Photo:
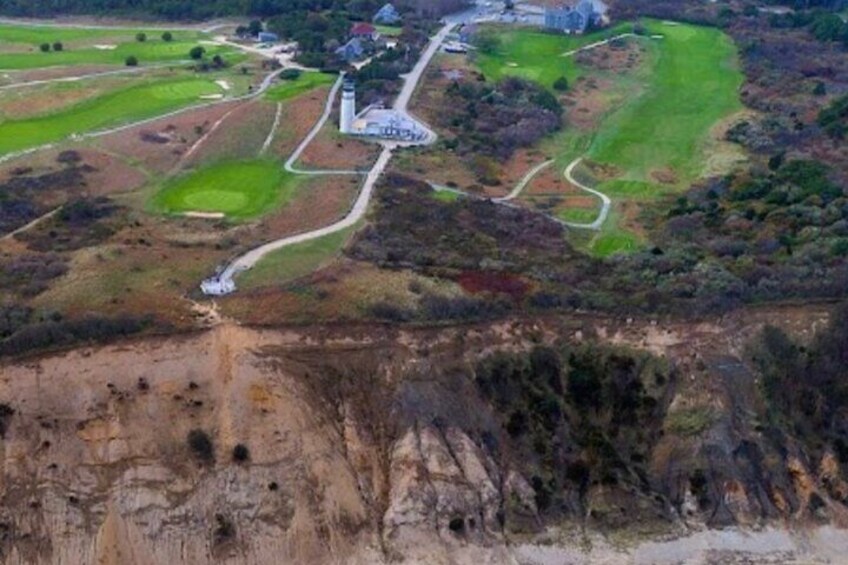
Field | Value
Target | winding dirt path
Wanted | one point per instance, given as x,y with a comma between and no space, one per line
224,283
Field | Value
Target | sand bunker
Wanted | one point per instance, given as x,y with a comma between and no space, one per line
105,47
211,96
205,215
223,84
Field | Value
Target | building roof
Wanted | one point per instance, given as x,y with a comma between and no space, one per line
388,13
362,28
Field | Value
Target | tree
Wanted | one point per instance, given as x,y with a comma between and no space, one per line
218,61
254,27
167,36
561,84
141,37
131,61
57,46
45,47
487,42
819,89
197,53
201,444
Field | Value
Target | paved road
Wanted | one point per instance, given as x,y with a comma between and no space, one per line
605,200
225,281
507,200
524,181
316,129
598,44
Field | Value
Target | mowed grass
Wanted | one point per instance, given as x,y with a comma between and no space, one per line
122,106
19,47
286,89
688,82
537,56
694,84
238,189
295,261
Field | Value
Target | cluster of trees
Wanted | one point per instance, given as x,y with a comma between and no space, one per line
496,119
579,418
56,46
805,387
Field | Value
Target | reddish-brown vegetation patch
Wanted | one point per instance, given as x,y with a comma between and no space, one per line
494,282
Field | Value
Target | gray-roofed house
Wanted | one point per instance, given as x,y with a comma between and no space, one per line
387,15
577,18
353,50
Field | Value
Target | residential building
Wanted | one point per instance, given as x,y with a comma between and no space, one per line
577,18
388,15
353,50
364,31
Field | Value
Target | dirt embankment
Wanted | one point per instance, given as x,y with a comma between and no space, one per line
364,445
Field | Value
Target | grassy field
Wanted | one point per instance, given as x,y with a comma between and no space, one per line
295,261
537,56
122,106
19,47
238,189
286,89
389,31
659,119
694,84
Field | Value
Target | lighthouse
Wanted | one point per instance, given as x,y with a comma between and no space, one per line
348,110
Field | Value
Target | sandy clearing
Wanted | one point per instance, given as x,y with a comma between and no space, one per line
205,215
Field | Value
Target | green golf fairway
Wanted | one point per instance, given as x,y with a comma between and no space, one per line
151,51
238,189
119,107
286,89
535,55
694,84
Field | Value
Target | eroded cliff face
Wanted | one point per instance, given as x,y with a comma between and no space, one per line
375,448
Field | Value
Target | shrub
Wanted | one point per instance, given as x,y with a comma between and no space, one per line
561,84
167,36
201,445
197,53
57,46
45,47
131,61
241,453
141,37
290,74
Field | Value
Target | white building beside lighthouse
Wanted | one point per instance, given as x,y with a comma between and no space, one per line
375,121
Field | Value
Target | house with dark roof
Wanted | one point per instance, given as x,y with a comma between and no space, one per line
364,31
353,50
577,18
387,15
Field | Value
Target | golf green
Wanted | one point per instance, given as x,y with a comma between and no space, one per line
121,106
237,189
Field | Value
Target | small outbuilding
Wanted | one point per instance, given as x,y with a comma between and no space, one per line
267,37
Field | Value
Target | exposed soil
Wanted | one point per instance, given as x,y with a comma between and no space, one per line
180,132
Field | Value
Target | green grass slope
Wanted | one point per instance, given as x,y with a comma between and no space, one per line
307,81
116,108
238,189
694,84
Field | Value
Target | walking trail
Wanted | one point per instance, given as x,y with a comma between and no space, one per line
224,283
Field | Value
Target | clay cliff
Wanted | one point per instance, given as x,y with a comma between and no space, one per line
376,445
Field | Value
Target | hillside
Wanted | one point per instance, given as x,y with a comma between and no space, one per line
365,445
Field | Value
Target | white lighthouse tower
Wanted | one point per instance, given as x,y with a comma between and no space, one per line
348,110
